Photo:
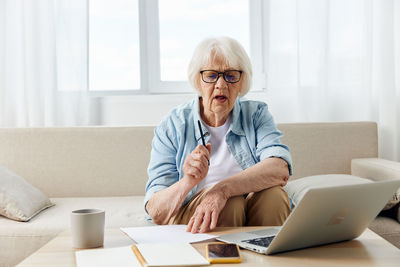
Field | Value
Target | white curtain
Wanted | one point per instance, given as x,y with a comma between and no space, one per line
336,60
325,60
43,63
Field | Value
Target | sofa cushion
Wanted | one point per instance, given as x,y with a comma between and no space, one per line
20,200
120,212
296,189
18,240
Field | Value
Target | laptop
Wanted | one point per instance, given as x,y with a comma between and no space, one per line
324,215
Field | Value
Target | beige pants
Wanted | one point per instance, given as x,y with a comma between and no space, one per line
265,208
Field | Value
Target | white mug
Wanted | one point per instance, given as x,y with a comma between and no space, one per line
87,227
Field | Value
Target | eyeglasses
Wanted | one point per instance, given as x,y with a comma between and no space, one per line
212,76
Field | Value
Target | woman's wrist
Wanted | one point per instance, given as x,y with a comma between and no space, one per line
222,190
188,183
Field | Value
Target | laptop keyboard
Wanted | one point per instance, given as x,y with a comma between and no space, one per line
262,241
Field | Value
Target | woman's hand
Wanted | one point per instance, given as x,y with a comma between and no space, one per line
205,217
195,166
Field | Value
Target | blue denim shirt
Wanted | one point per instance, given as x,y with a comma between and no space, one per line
252,137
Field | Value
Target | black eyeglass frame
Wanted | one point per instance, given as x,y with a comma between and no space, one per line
219,74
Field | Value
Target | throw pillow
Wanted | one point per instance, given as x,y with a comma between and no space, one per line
296,189
19,200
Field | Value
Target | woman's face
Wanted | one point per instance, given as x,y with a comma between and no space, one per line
219,97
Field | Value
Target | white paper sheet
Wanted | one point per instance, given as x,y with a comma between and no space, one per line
164,234
172,254
121,257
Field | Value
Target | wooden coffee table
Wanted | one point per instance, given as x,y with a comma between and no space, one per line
367,250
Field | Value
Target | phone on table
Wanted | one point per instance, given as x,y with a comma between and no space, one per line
218,252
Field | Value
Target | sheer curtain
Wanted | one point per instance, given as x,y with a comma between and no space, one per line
336,60
43,63
325,60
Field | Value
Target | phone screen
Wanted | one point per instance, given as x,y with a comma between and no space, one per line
223,251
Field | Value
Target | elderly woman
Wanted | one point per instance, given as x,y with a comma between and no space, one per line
236,178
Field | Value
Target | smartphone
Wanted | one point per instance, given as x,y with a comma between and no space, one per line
219,252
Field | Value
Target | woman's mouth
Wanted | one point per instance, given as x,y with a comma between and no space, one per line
220,98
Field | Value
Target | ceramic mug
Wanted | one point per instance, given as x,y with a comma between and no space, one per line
87,227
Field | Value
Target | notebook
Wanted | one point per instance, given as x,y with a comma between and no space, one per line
170,254
163,254
121,257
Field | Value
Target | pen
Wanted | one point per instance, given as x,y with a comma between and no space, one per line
139,255
201,134
202,137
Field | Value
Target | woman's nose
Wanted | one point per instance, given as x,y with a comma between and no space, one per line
221,83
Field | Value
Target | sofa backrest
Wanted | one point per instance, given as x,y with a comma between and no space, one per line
112,161
79,161
327,148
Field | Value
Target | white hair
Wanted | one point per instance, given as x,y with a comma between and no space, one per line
227,48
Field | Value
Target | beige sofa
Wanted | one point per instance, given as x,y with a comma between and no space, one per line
106,167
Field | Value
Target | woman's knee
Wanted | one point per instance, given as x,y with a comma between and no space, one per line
273,195
268,207
233,214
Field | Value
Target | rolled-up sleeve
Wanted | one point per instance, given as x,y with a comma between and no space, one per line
269,138
162,170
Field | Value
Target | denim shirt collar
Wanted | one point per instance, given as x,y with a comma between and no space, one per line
236,126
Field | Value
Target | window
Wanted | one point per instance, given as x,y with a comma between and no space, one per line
181,31
114,61
145,46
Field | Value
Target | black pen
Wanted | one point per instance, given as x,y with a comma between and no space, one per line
202,137
201,133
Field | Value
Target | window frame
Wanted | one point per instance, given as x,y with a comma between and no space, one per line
149,50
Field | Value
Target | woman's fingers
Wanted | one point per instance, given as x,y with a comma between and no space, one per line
190,225
206,222
198,170
208,146
201,164
196,163
189,169
214,220
203,222
197,221
205,217
200,149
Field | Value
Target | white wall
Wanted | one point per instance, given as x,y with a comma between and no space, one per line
148,110
138,110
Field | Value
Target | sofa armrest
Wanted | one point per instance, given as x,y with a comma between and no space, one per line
375,169
378,169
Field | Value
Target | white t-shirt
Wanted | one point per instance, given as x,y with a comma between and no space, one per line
222,162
